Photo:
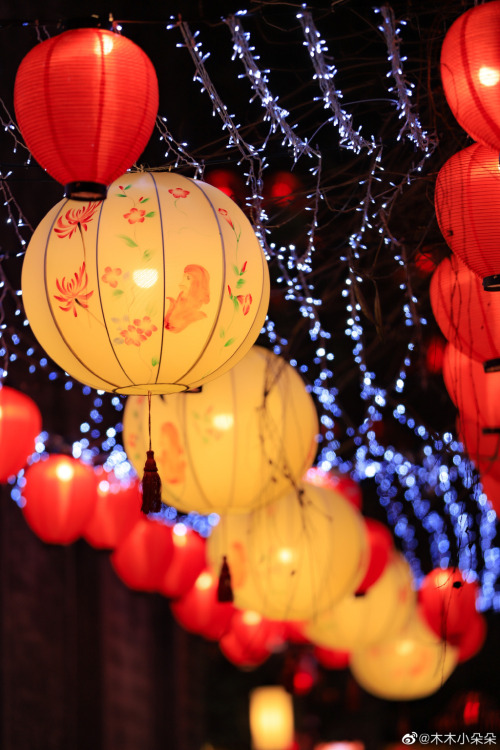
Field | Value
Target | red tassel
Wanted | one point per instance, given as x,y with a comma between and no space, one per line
151,486
224,589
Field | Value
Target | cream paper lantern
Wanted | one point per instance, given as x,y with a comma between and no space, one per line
379,614
293,557
244,440
271,718
158,289
413,664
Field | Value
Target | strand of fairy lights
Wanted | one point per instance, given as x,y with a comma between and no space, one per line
443,470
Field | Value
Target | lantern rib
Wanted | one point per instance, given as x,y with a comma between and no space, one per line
160,216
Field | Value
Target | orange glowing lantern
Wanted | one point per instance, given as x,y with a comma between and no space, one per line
468,316
20,423
188,561
117,510
199,610
86,104
448,603
467,201
470,71
60,495
143,556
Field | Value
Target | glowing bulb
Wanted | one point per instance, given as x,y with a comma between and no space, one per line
145,277
250,617
285,555
489,76
107,45
64,472
204,581
104,487
179,535
405,647
223,421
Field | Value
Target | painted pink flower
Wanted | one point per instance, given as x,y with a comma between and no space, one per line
226,216
245,301
135,215
179,192
73,292
110,276
67,225
133,336
145,326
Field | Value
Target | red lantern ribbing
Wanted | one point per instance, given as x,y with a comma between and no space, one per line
86,104
467,315
470,71
467,202
20,423
474,392
60,495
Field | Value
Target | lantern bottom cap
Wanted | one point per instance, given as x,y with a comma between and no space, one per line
85,191
157,389
492,365
492,283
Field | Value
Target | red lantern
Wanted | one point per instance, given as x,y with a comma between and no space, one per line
467,201
434,354
86,104
20,423
187,563
142,558
117,510
470,71
250,638
282,188
483,449
380,547
228,182
448,603
199,611
60,495
474,392
467,315
332,658
491,488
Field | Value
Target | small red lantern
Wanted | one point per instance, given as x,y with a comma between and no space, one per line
332,658
483,449
228,182
250,638
200,612
448,603
117,510
467,201
20,423
142,558
380,547
434,354
60,495
470,71
188,561
474,392
467,315
282,188
86,104
334,480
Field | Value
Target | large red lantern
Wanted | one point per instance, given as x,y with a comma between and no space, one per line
20,423
142,558
448,603
472,639
483,448
86,104
117,510
187,562
60,495
470,71
474,392
467,201
467,315
199,610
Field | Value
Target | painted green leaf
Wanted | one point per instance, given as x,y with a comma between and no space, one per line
236,270
117,292
229,342
128,240
121,195
222,333
147,254
154,361
150,214
236,303
143,200
127,187
240,283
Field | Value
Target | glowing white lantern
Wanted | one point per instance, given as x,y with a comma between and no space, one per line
271,718
244,440
157,289
293,557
